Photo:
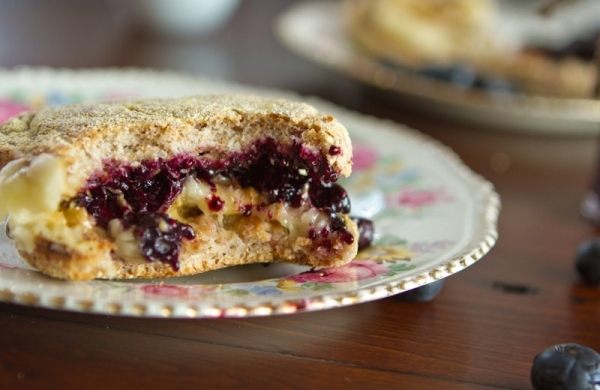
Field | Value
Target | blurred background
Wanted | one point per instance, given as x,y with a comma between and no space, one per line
235,43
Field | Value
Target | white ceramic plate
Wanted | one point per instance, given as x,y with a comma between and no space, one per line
315,31
433,216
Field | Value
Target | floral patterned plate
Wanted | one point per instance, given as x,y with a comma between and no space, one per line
433,216
315,31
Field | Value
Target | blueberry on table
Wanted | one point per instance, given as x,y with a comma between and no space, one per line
587,261
566,367
424,293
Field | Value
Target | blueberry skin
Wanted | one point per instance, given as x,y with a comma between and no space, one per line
424,293
566,367
587,261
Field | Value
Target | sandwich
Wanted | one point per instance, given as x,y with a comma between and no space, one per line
170,187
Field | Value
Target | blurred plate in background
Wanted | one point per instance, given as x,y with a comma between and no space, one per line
315,31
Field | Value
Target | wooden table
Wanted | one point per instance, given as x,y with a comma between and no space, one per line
481,332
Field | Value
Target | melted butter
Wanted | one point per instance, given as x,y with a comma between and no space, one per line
31,192
54,226
126,244
197,194
298,221
36,185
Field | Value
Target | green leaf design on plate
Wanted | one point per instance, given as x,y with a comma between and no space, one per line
317,286
389,240
400,267
238,292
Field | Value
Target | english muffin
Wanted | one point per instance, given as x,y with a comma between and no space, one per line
170,187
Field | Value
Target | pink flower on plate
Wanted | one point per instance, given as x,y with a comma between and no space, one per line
351,272
414,199
166,290
363,157
9,109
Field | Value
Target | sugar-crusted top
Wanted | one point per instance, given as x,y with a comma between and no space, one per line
83,136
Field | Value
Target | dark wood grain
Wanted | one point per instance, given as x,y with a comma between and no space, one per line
481,332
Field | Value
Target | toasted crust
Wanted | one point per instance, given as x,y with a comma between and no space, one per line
84,136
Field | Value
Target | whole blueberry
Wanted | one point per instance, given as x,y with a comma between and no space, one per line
366,231
424,293
587,261
566,367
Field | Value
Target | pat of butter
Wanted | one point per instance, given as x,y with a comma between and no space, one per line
198,193
35,185
126,244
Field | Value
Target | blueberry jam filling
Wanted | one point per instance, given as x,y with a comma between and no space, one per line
160,237
273,176
140,195
330,196
123,192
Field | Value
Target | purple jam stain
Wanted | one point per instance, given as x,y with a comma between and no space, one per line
215,203
347,238
324,232
325,244
335,150
140,194
247,210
